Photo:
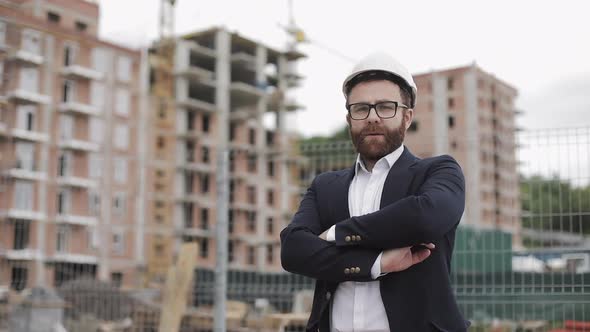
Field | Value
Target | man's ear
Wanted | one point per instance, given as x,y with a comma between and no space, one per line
408,116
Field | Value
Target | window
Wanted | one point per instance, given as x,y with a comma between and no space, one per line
63,201
190,151
2,33
31,41
204,219
120,169
232,131
97,94
53,17
94,165
29,79
206,123
251,255
204,248
252,163
251,221
63,163
123,68
188,209
230,221
230,251
451,102
204,183
270,197
270,169
66,126
252,136
251,194
190,120
205,154
450,83
26,117
62,239
269,253
270,225
117,279
122,101
21,234
81,26
68,91
23,192
94,203
121,136
25,155
96,129
101,60
18,278
69,54
232,190
118,242
189,182
119,202
451,121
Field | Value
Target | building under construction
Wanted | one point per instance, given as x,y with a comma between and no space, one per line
192,79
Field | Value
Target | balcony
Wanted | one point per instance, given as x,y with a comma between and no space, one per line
77,182
80,145
196,73
73,258
24,96
81,72
196,232
71,219
80,108
26,214
22,254
197,105
194,166
27,57
3,129
26,174
29,135
290,104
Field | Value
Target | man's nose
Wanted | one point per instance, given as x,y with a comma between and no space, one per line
373,117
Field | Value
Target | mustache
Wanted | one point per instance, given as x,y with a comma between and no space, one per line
372,130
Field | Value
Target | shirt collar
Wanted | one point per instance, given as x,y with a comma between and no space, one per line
390,159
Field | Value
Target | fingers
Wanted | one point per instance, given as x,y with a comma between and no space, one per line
419,256
428,245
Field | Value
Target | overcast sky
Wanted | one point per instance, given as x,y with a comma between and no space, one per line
540,47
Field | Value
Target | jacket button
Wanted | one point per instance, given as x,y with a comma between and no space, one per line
358,237
357,270
346,271
328,295
347,238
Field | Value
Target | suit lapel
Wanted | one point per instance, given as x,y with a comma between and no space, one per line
340,208
398,179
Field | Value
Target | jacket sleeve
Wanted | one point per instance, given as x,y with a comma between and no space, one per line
428,215
303,252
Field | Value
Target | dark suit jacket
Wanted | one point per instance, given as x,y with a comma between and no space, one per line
422,201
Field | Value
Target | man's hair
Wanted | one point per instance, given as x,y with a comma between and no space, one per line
379,75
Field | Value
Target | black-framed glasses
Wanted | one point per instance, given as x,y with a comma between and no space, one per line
384,109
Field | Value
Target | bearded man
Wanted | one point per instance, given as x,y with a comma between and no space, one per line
378,237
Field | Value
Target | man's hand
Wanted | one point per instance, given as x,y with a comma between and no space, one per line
395,260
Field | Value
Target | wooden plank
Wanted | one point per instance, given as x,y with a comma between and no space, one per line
178,282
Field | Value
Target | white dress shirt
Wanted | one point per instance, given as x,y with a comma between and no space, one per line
357,306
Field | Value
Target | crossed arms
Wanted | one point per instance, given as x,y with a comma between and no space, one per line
421,218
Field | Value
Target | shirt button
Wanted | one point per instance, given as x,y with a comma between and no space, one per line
347,239
346,271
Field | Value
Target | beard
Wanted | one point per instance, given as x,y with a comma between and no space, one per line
373,148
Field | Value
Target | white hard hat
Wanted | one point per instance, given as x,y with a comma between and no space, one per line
386,63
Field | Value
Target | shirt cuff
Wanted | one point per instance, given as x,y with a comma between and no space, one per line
376,269
331,236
